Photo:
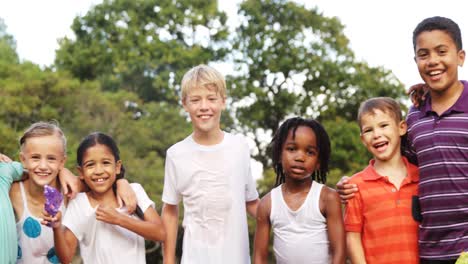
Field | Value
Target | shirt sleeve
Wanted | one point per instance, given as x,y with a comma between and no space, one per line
74,218
11,171
142,197
170,194
250,186
353,216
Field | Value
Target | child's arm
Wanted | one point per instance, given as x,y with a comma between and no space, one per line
345,189
335,226
355,249
71,184
65,242
262,232
251,207
150,228
126,195
4,158
170,218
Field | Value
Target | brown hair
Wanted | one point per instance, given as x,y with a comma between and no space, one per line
385,104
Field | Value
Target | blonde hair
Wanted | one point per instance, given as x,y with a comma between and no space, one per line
203,76
41,129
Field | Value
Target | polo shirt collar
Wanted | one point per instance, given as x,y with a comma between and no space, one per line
461,105
370,174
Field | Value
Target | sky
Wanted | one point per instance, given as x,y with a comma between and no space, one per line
380,31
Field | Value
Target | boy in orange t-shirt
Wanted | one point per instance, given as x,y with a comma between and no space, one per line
378,221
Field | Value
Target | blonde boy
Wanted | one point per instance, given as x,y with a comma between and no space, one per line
210,172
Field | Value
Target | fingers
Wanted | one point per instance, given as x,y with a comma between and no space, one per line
342,182
65,188
119,201
130,202
72,191
344,198
4,158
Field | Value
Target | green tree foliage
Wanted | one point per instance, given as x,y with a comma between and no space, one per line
7,46
143,46
295,61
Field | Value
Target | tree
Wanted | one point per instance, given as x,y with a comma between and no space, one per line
143,46
295,61
7,45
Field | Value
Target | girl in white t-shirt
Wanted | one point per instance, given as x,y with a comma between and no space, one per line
105,233
305,215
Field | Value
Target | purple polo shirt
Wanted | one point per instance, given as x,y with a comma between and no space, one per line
441,145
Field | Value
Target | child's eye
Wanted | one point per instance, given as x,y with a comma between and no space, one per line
213,99
422,55
290,148
311,153
442,52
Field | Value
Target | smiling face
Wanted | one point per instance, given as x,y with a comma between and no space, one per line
437,59
99,168
204,105
380,133
43,157
299,156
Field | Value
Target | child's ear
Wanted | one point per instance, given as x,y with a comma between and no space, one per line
461,57
64,160
118,166
80,172
22,157
402,127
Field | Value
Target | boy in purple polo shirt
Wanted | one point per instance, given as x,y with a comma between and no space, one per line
438,132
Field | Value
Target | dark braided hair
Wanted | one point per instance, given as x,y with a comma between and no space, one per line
94,139
323,145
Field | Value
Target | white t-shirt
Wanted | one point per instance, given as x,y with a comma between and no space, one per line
101,242
214,183
299,236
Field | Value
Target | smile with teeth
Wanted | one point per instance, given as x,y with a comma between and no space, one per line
434,73
204,116
100,180
42,174
380,145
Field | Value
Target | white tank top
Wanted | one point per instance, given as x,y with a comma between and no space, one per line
36,241
299,236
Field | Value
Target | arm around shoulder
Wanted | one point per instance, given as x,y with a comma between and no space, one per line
335,225
262,231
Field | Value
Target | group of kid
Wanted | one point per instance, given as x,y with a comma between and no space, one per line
209,171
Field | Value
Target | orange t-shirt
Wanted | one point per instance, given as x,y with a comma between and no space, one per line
382,214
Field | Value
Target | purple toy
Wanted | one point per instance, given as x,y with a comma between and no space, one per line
53,200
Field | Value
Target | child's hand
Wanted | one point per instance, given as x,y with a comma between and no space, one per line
346,190
108,214
418,93
71,184
52,221
126,195
4,158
